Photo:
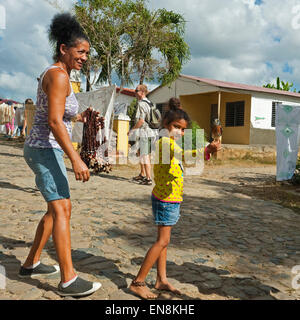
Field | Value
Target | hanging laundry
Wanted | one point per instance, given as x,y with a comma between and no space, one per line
7,113
287,136
20,115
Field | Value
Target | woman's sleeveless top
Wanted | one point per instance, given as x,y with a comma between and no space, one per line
40,135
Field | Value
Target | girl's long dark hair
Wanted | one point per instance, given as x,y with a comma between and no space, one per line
175,115
65,29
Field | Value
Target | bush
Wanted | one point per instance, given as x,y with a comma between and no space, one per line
198,134
296,177
131,112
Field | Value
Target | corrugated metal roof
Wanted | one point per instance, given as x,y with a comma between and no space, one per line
240,86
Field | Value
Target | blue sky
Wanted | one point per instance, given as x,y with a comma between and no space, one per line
246,41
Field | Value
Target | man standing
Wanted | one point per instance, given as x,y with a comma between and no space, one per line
144,133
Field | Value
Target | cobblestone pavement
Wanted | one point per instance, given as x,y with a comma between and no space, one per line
226,245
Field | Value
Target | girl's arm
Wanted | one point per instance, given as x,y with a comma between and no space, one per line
182,155
56,86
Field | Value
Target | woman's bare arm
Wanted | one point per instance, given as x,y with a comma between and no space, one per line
57,87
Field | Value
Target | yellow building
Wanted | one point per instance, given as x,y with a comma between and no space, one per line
75,80
76,86
121,120
247,113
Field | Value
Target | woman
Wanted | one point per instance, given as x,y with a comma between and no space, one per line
48,139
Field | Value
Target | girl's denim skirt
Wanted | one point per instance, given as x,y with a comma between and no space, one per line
50,172
165,213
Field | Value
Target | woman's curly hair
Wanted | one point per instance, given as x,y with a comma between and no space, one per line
65,29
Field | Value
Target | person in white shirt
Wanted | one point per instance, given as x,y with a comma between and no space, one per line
144,133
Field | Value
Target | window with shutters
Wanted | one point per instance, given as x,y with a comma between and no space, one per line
235,114
274,106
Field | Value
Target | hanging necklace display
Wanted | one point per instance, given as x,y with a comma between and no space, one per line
94,152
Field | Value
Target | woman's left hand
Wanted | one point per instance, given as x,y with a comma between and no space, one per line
82,116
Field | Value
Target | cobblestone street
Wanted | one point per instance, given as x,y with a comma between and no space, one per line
227,245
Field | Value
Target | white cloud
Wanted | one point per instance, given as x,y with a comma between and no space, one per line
24,47
17,82
233,40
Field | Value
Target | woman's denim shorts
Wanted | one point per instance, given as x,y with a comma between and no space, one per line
50,172
165,213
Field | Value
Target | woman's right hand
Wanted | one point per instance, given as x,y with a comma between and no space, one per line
81,171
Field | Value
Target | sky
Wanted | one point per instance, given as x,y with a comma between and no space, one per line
244,41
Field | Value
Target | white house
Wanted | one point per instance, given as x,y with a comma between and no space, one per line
247,113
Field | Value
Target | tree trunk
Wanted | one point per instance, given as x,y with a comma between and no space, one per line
109,70
143,74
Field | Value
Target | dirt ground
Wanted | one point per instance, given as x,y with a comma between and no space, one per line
238,237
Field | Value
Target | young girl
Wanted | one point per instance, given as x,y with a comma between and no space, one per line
166,200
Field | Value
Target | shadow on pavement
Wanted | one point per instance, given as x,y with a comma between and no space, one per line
12,264
210,280
8,185
107,176
4,154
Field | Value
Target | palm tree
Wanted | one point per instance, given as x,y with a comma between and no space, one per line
132,41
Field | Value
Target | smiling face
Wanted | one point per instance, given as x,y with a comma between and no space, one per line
176,128
75,57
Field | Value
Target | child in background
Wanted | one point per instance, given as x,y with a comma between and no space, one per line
10,127
166,199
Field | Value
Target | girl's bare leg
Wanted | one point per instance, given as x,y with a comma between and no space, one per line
164,233
162,282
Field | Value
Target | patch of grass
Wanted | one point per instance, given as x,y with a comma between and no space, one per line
296,177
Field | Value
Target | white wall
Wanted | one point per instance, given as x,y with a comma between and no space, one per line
124,98
261,113
122,102
261,131
180,87
261,109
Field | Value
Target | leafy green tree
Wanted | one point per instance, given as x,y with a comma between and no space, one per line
158,41
281,85
132,41
131,111
99,20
